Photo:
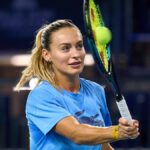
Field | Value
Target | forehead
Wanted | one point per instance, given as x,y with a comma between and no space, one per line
66,34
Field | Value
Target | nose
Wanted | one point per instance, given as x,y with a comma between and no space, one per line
75,53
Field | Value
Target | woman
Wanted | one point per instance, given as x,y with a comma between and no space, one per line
64,111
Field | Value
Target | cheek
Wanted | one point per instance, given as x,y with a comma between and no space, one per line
60,60
83,54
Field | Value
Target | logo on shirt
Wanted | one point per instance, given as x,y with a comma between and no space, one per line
91,120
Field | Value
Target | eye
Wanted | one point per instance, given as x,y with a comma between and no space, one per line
79,46
65,48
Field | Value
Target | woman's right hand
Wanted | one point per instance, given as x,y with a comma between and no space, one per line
128,130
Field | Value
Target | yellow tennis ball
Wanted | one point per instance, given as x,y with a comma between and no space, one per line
103,35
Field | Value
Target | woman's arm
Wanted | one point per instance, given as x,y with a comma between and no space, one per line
86,134
107,146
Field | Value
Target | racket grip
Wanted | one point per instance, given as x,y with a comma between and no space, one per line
123,109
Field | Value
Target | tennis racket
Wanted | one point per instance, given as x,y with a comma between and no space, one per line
101,52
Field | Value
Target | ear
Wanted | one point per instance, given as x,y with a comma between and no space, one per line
46,55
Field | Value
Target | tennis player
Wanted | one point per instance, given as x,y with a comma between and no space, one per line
64,111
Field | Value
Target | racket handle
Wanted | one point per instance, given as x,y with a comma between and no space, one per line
123,109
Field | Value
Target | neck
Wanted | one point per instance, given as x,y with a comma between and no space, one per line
71,84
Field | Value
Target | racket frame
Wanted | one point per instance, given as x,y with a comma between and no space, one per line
109,75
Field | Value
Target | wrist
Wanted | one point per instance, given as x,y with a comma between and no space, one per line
115,132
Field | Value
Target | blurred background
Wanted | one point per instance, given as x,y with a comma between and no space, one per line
129,21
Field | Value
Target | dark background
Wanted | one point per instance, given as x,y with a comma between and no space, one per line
129,21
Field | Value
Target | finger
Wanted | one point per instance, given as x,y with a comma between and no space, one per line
134,132
123,121
125,127
123,135
128,135
128,129
134,136
134,123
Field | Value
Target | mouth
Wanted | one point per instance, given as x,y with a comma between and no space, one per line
75,64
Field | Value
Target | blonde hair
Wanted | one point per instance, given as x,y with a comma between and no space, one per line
38,67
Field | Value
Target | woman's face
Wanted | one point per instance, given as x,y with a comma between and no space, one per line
67,52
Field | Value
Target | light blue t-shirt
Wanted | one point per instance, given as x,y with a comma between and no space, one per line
46,106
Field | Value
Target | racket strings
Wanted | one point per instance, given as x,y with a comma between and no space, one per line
105,59
96,20
96,16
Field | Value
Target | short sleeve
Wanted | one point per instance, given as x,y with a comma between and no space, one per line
44,109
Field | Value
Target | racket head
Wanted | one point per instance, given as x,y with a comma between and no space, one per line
93,19
101,53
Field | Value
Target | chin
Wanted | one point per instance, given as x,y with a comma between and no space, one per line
74,72
77,72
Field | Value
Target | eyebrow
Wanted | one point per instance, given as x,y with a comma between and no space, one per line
81,41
